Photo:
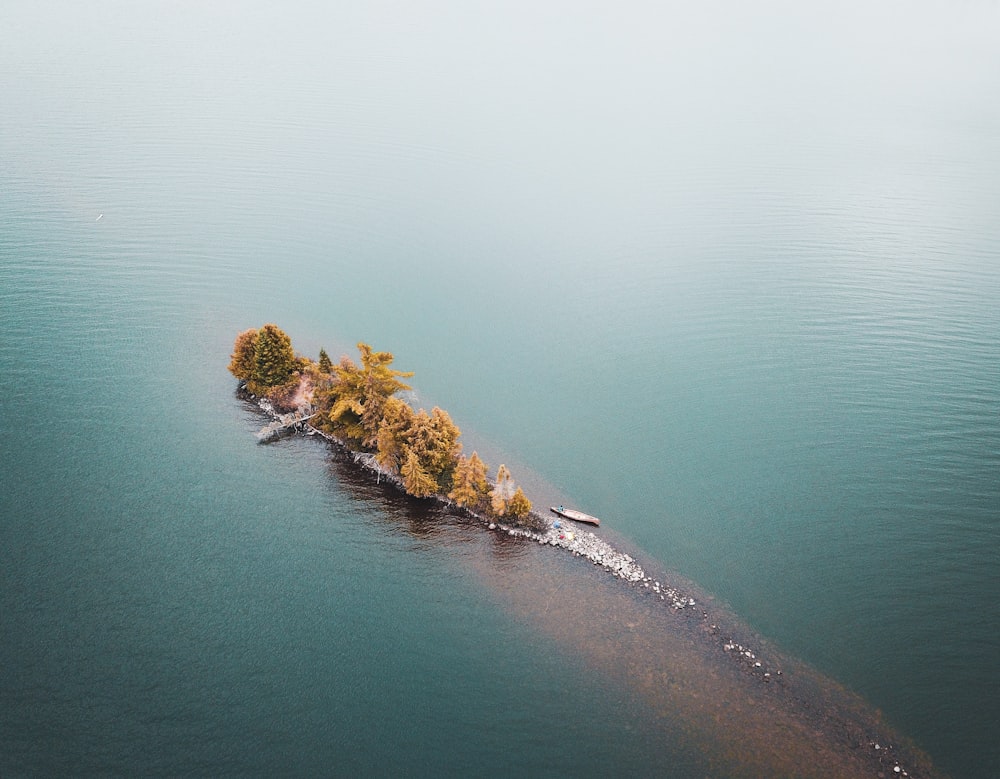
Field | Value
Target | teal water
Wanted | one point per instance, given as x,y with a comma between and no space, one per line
727,279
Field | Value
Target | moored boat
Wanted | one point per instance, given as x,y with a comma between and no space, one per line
576,516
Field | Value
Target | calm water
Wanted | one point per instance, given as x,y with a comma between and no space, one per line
727,278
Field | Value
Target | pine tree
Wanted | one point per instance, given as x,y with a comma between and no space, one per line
358,398
380,383
519,505
416,480
445,449
274,359
325,363
243,362
469,483
392,438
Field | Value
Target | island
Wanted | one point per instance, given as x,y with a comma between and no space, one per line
358,408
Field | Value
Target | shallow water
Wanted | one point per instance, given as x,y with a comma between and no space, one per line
726,279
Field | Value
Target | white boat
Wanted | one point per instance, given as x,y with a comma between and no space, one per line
576,516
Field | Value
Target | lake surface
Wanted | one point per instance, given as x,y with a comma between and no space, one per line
726,277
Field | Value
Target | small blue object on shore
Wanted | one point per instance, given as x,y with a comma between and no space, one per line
556,524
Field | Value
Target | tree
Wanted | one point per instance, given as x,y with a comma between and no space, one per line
436,441
519,505
325,363
264,359
357,399
415,479
468,480
380,382
274,360
406,437
392,438
359,403
243,362
502,492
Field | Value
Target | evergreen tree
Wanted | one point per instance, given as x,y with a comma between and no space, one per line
358,398
416,480
468,480
392,439
431,438
243,362
519,505
445,449
274,359
325,363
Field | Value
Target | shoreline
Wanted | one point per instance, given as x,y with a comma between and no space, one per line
871,742
557,533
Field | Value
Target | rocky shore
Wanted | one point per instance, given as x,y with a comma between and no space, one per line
559,533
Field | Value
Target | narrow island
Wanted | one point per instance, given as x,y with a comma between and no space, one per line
358,409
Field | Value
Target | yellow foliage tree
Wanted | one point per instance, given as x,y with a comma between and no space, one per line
397,419
356,400
243,360
469,483
416,480
519,506
435,439
431,440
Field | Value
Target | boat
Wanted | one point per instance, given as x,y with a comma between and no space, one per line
576,516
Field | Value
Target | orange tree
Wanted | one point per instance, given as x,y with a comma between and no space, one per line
469,485
263,359
354,404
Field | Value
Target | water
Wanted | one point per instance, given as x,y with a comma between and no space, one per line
727,279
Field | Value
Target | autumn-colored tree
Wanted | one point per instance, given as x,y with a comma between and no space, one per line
274,360
244,356
397,419
359,404
519,506
357,399
325,363
416,480
434,437
380,383
417,439
502,492
468,480
264,359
